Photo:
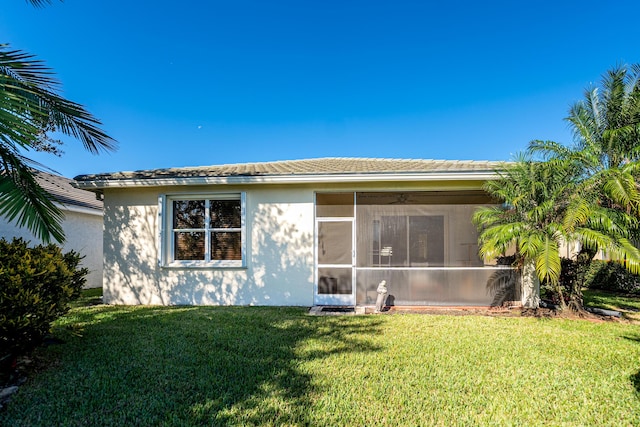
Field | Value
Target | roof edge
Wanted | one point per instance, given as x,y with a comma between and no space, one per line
97,184
80,209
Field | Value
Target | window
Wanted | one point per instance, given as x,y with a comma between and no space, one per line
205,231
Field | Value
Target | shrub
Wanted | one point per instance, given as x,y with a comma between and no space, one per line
36,286
598,274
612,276
573,276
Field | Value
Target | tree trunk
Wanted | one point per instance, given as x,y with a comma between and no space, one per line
530,285
561,301
583,260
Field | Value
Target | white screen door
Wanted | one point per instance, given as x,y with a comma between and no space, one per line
334,261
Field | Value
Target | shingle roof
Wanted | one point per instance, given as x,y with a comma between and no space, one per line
321,166
64,193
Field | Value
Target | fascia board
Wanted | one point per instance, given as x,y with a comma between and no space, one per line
288,179
79,209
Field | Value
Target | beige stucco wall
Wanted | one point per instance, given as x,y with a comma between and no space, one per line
279,250
83,233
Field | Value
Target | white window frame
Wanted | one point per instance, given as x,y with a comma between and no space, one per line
167,236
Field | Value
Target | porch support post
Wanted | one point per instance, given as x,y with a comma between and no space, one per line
530,285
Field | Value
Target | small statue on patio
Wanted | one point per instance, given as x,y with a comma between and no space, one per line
382,296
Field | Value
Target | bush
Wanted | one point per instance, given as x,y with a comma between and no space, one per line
613,277
569,274
36,286
604,275
574,275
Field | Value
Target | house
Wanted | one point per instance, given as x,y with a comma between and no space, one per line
82,224
303,232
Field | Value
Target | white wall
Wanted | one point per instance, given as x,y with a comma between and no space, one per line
83,233
279,271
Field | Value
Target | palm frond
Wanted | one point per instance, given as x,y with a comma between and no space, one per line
627,254
31,81
40,3
487,216
548,263
594,239
29,106
498,239
577,212
620,187
25,202
531,244
548,149
614,93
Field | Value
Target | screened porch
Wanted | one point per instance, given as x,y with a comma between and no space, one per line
422,243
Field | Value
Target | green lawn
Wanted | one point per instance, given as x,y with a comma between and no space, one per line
128,366
629,306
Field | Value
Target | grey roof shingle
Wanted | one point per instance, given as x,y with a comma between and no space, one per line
321,166
63,192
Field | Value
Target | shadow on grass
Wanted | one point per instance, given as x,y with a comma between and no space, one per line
187,366
88,298
635,378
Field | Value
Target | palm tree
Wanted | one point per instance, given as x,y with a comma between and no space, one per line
544,207
606,129
586,194
606,201
529,220
29,108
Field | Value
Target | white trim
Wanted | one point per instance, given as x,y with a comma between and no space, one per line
166,233
205,264
487,267
335,299
161,246
199,195
289,179
243,228
79,209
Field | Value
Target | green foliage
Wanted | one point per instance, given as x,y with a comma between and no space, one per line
597,274
568,280
36,286
530,218
30,109
605,202
587,193
611,276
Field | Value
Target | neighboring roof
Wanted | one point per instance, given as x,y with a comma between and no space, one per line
330,169
66,194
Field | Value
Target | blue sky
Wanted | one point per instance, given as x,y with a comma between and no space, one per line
211,82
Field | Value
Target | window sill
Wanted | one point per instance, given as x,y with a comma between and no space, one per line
191,265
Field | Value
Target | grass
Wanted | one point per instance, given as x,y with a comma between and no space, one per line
175,366
629,306
89,297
